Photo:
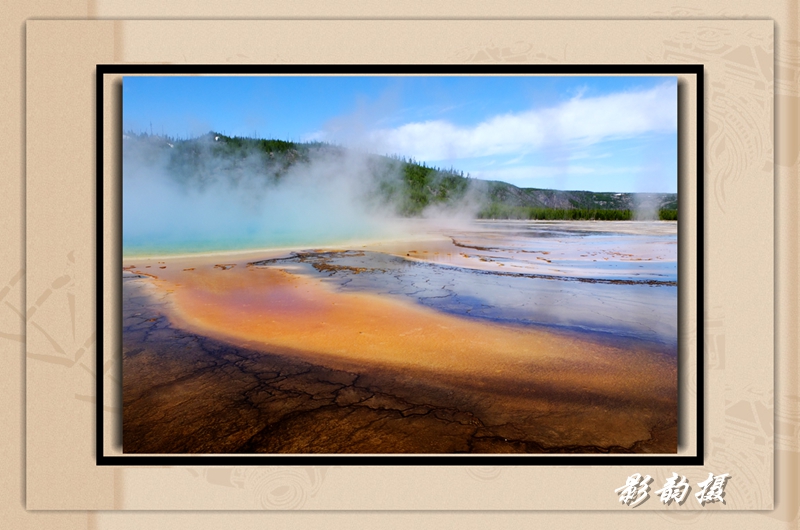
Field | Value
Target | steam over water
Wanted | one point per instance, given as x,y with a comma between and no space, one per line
323,201
206,202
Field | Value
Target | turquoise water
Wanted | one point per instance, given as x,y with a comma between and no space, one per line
163,245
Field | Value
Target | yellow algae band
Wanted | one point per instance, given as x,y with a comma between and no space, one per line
553,389
283,310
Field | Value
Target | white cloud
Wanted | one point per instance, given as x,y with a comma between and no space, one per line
583,155
579,120
515,160
525,173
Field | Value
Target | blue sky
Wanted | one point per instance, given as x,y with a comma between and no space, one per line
578,133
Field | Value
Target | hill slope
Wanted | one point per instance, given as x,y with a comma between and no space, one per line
409,187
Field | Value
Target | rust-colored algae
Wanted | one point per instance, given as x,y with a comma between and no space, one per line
273,361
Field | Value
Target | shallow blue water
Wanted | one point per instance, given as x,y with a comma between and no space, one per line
646,310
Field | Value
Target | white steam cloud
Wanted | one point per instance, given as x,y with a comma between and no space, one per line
228,202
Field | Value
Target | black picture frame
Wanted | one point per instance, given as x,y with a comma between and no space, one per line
411,459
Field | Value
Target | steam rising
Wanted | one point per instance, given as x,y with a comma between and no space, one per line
204,200
646,206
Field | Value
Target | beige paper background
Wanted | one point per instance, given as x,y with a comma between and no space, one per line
51,115
719,324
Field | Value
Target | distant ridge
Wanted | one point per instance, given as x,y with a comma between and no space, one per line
213,156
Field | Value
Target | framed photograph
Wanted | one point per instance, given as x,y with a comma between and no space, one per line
386,265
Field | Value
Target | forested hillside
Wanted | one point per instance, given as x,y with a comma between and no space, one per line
412,188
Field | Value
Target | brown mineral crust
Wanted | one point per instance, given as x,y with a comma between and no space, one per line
184,392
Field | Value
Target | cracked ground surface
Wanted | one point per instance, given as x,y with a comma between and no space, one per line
191,394
500,338
184,392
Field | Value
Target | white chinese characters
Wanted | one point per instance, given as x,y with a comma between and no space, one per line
635,490
713,489
677,488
